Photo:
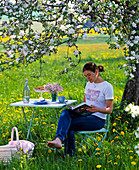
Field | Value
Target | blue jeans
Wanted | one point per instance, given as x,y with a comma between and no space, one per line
68,124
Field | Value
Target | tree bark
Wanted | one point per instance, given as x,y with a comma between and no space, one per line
131,91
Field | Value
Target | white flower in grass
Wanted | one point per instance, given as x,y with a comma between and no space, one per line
137,133
133,109
137,149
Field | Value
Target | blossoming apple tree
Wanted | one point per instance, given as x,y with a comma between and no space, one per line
62,22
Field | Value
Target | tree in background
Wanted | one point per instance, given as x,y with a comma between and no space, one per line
62,22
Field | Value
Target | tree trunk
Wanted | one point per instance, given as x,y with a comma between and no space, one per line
131,91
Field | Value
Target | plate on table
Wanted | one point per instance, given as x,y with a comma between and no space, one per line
41,102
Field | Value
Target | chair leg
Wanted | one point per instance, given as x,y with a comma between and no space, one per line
88,136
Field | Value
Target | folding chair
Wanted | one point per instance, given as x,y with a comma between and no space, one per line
83,135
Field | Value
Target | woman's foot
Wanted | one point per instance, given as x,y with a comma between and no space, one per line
57,143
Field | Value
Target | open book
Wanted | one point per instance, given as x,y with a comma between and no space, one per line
80,109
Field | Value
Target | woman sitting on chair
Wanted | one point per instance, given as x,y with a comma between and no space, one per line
98,95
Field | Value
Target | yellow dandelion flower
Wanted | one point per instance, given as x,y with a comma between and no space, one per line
99,138
118,156
32,130
3,136
112,141
7,133
122,132
80,160
131,151
131,157
133,163
98,153
44,140
17,152
52,125
36,118
113,130
24,156
79,149
44,123
115,163
49,151
114,124
21,161
116,137
110,161
98,166
108,154
98,149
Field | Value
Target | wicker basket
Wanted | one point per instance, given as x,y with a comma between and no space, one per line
15,148
6,153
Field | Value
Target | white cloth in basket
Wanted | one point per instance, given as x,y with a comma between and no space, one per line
24,145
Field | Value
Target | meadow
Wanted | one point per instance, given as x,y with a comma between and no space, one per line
118,148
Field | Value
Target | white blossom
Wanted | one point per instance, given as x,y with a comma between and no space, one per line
115,39
134,24
36,36
71,31
62,27
76,52
118,46
133,109
21,33
133,32
51,48
113,27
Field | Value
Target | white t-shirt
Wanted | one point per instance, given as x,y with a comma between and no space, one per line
96,94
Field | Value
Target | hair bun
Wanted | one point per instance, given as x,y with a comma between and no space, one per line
101,68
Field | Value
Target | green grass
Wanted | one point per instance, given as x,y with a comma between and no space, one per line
118,152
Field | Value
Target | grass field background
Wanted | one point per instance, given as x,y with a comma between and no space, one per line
118,152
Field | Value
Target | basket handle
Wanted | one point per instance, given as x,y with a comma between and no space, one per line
12,134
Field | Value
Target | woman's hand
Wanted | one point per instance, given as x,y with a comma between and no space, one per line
93,109
107,110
